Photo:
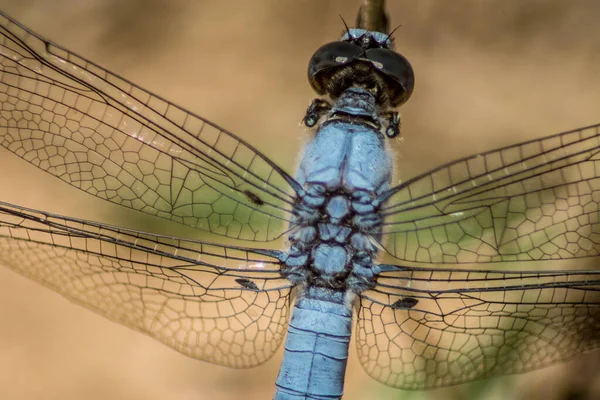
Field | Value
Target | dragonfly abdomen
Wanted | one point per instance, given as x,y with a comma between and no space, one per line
316,348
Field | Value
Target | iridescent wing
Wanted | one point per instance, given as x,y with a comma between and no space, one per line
225,305
119,142
531,201
428,327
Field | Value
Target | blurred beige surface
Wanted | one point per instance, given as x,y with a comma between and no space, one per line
489,73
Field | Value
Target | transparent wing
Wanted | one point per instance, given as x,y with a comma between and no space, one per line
221,304
424,328
114,140
535,200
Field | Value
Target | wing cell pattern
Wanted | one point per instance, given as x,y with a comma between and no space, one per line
116,141
424,328
186,294
532,201
417,328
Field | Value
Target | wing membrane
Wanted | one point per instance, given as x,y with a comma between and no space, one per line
422,328
225,305
535,200
114,140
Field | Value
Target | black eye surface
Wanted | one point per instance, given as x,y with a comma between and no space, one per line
398,71
328,56
393,68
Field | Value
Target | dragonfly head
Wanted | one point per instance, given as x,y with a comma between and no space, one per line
364,59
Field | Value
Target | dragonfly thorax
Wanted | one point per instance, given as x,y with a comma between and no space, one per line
331,246
343,171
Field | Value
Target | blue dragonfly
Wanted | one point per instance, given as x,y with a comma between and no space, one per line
228,304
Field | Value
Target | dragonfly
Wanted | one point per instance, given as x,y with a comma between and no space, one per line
402,292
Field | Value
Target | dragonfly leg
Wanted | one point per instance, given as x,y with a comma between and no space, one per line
393,128
315,111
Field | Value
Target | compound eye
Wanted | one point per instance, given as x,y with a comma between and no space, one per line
328,57
397,71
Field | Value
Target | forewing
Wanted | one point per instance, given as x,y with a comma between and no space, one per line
535,200
220,304
424,328
119,142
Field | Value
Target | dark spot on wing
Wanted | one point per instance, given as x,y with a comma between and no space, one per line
246,283
405,303
253,197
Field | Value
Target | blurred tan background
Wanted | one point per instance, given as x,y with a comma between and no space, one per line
489,73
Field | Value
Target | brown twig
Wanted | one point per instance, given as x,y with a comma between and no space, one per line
372,16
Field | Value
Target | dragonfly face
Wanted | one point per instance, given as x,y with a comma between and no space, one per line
364,59
402,302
